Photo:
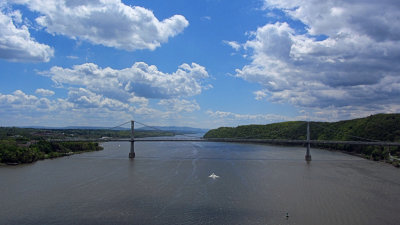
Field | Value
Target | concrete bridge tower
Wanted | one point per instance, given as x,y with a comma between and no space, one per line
132,152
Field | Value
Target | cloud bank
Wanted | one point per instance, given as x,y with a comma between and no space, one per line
95,93
16,43
105,22
134,84
347,58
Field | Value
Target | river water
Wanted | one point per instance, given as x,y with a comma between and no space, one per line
169,183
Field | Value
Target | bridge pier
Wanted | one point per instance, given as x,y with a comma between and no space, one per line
132,152
308,154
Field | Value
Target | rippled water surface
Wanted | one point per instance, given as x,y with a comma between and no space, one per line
169,183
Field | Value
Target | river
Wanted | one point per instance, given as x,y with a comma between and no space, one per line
169,183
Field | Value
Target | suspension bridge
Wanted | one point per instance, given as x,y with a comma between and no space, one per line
191,138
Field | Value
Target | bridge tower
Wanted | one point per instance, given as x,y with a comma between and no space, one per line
308,154
132,152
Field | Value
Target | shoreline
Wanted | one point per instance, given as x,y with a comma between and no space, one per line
54,157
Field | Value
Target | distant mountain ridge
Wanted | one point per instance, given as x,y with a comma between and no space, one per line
176,128
382,127
163,128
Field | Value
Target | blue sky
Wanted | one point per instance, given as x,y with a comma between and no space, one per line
205,63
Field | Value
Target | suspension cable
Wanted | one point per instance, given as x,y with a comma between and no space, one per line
155,128
112,128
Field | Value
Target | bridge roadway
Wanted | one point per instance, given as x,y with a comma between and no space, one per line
264,141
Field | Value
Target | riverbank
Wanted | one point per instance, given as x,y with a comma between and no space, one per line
375,128
53,157
391,160
13,152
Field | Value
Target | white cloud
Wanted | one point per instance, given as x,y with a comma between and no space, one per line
179,105
19,101
221,118
109,23
260,95
347,60
140,80
16,43
44,92
105,96
72,57
83,107
235,45
141,92
208,18
83,98
375,19
21,109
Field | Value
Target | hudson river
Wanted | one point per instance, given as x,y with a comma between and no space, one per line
170,183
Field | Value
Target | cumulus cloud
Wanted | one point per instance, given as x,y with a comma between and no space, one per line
83,98
95,94
80,108
134,84
260,94
16,43
83,107
108,23
179,105
235,45
375,19
19,101
346,59
44,92
229,118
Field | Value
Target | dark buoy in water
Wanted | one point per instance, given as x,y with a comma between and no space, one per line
287,215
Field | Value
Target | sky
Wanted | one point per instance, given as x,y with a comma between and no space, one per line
203,63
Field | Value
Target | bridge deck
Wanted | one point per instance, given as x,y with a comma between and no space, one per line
265,141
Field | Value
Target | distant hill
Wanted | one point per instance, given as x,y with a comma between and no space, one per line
379,127
383,127
174,129
73,128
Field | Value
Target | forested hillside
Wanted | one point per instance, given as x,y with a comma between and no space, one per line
380,127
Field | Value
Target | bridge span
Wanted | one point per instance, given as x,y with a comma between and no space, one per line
188,138
237,140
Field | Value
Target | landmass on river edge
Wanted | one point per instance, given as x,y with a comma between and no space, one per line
379,127
27,145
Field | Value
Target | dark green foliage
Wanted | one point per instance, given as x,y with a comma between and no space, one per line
26,134
285,130
12,151
79,146
26,145
383,127
380,127
376,154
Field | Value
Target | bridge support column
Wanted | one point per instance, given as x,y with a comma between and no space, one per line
308,154
132,152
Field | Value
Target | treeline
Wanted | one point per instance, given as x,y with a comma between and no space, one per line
26,145
380,127
16,152
37,134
